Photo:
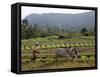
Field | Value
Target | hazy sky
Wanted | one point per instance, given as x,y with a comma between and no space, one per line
26,10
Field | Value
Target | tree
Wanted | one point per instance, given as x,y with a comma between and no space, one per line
26,32
25,22
23,34
83,30
36,30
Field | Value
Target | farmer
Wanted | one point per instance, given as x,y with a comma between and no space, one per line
34,51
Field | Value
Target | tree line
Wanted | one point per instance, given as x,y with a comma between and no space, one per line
34,31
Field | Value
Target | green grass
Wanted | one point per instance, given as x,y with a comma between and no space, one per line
54,40
48,61
50,64
26,54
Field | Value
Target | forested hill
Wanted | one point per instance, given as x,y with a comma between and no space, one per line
59,19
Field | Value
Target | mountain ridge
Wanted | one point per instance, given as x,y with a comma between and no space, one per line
60,19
